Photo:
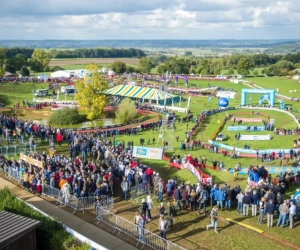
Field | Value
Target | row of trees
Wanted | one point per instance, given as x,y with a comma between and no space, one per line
38,61
243,64
98,53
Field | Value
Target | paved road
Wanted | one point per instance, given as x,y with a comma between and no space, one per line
90,231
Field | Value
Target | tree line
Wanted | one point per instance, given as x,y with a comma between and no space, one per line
243,64
79,53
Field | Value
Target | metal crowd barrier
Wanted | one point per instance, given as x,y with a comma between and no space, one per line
143,236
50,191
140,191
86,203
69,200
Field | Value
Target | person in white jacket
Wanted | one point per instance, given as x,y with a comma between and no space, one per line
150,205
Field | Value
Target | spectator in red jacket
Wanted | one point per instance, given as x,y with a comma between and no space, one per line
59,138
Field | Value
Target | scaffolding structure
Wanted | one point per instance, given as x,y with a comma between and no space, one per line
166,135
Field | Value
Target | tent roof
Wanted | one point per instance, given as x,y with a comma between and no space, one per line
139,92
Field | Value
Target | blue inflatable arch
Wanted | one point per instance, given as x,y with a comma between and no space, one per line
269,92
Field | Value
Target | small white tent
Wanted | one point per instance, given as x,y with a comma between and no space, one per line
43,77
60,74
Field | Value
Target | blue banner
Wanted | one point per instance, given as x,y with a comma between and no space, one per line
247,151
244,128
271,170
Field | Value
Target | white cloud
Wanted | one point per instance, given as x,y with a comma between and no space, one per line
155,19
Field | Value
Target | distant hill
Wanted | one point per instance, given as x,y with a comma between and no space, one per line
285,48
269,45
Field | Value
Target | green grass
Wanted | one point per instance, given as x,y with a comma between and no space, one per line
283,84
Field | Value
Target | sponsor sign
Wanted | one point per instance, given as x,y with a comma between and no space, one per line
149,153
226,94
31,161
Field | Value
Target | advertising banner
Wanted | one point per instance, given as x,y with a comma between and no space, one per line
31,160
149,153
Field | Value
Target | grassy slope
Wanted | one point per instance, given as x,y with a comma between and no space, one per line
233,237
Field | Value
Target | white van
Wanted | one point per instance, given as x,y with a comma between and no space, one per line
68,90
41,93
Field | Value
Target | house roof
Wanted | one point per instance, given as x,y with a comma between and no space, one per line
14,226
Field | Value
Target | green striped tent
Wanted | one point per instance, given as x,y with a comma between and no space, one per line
151,95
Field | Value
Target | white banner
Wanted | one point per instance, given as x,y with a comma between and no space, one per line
255,137
149,153
226,94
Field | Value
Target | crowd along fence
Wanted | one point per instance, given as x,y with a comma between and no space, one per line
143,236
65,198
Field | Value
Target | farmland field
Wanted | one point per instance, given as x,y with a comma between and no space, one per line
85,61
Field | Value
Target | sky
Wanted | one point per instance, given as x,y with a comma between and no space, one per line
152,19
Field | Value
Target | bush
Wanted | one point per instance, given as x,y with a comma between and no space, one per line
50,235
126,111
25,71
56,68
66,116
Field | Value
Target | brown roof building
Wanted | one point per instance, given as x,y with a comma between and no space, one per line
17,232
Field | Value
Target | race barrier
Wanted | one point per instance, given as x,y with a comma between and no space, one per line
246,128
140,191
271,170
8,150
246,119
141,235
274,109
247,151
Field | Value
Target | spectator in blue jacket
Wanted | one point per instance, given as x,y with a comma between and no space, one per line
254,201
169,188
219,197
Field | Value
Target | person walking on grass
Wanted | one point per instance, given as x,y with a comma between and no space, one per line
171,213
213,219
124,186
162,227
270,208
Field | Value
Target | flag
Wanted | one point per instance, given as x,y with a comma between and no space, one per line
209,98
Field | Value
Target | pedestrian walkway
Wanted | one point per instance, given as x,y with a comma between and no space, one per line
88,230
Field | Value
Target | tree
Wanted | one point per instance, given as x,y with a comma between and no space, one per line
243,66
24,71
255,72
1,72
126,111
9,68
145,65
230,71
188,53
2,57
119,67
90,92
129,69
35,65
41,56
17,61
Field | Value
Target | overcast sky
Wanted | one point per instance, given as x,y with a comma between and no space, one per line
152,19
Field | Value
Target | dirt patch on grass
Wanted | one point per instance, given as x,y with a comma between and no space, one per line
91,60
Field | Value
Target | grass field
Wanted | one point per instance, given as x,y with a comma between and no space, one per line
283,84
189,227
72,62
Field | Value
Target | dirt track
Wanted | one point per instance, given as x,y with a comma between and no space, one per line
74,61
